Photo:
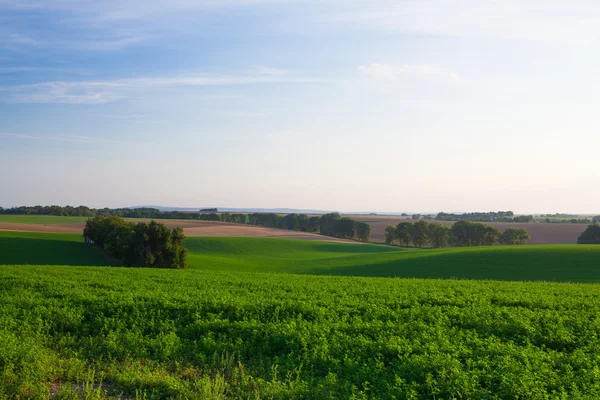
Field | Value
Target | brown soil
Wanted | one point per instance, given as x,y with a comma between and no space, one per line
191,228
541,233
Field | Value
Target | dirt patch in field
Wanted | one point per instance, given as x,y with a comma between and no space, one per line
191,228
541,233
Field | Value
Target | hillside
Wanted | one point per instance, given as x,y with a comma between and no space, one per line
561,263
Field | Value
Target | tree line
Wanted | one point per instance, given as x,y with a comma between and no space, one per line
138,245
84,211
461,234
331,224
499,216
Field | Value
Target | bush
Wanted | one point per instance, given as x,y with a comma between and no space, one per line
591,235
515,236
138,245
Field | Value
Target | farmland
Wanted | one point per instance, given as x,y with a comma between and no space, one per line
252,318
541,233
75,225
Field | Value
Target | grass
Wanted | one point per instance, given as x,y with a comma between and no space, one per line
565,263
49,249
211,334
246,321
560,263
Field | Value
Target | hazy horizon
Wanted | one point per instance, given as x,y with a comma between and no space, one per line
327,105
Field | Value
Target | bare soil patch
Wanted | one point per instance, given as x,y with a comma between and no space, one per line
191,228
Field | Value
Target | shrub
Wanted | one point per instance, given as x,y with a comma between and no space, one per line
591,235
138,245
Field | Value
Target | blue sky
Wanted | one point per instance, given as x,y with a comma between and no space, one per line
405,105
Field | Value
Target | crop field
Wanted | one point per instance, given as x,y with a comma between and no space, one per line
75,225
541,233
264,318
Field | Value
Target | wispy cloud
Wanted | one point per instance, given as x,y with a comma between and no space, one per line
67,138
576,22
98,92
390,72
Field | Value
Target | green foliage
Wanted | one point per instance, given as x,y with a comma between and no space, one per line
390,234
404,233
439,235
591,235
567,263
89,332
467,233
138,245
328,221
500,216
515,236
420,236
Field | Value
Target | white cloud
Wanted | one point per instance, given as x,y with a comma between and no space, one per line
99,92
575,22
390,72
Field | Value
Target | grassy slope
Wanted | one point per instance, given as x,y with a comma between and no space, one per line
49,249
567,263
225,334
547,263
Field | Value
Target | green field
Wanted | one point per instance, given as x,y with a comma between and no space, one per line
246,321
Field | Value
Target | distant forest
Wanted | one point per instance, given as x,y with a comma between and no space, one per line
500,216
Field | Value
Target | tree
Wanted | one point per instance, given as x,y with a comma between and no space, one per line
291,222
515,236
404,233
345,228
390,234
327,223
138,245
363,231
596,220
439,235
461,234
591,235
467,233
487,235
420,236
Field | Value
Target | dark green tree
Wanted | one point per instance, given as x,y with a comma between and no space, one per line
363,231
439,235
515,236
404,233
390,234
591,235
420,233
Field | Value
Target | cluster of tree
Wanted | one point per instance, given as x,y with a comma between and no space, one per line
333,224
138,245
461,234
500,216
566,221
83,211
425,217
214,210
596,220
591,235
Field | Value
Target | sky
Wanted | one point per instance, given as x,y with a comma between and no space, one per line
347,105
